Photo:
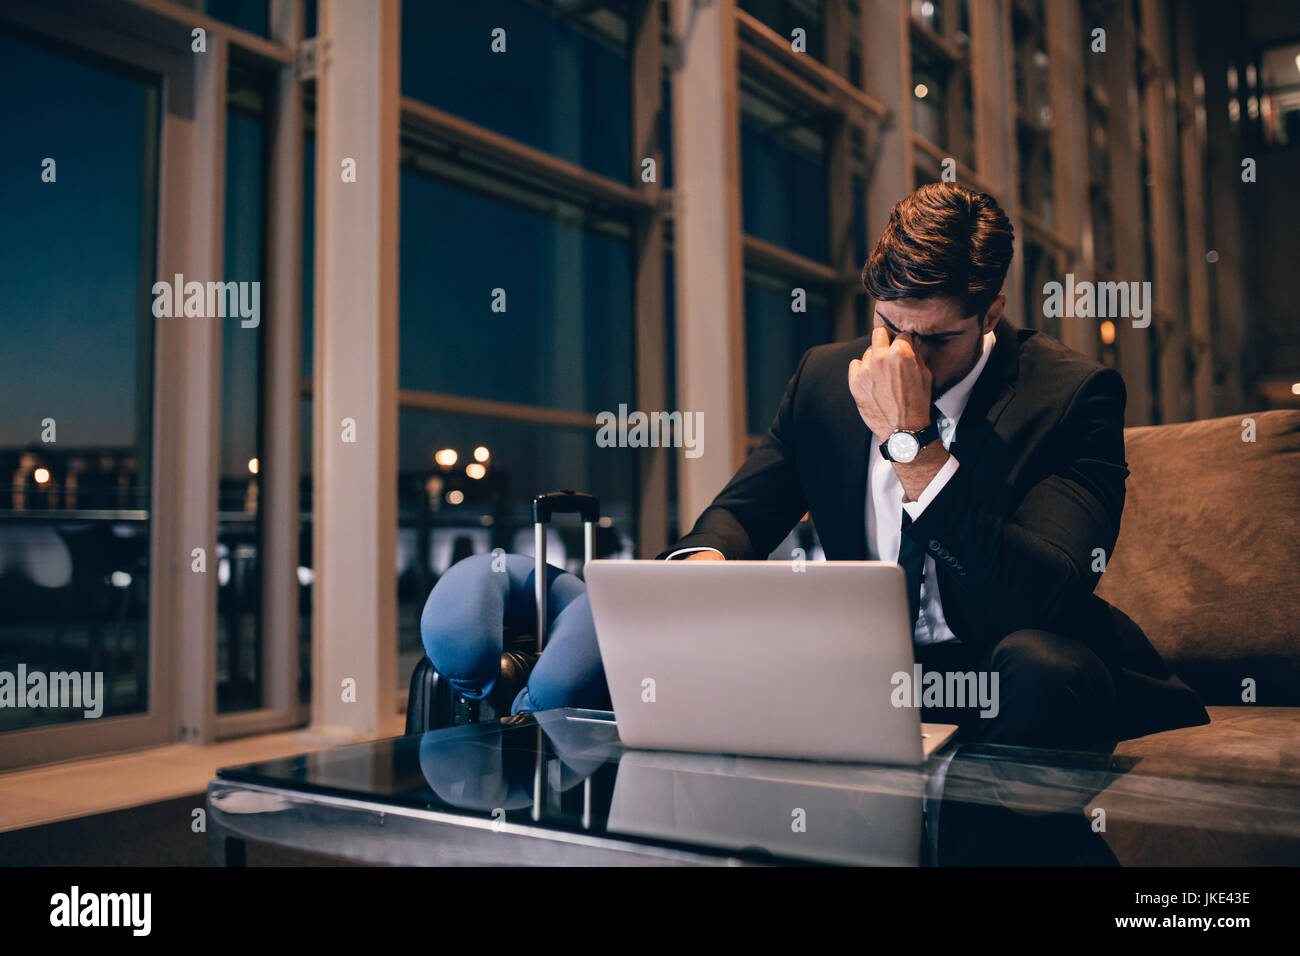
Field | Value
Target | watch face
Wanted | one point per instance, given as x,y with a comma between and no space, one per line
903,446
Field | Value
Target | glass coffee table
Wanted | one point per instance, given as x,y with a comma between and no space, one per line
558,788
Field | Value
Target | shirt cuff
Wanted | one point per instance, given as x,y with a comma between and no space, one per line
936,485
689,550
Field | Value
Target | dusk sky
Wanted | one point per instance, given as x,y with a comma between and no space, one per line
70,250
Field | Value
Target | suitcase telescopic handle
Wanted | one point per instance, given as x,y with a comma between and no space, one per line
565,503
545,506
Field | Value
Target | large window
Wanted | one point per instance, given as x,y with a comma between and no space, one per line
786,200
250,15
943,108
777,335
1034,120
1099,201
1041,267
785,17
783,173
549,312
527,276
78,181
550,75
465,484
1280,96
239,528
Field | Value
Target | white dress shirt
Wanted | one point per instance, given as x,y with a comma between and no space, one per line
885,504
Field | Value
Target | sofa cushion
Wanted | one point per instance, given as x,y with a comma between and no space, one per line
1206,557
1266,738
1188,801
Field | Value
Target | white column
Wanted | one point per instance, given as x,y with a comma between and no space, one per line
1232,316
189,461
648,295
1169,333
354,626
282,385
996,158
886,75
1066,49
709,264
1124,122
1191,150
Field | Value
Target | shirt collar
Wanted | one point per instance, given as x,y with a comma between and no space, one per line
953,402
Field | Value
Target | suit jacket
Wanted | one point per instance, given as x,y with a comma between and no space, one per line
1016,531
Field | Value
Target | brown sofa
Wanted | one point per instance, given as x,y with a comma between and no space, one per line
1206,563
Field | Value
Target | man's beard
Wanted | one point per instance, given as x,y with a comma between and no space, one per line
938,388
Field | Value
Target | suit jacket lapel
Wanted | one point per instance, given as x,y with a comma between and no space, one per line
989,398
856,471
854,448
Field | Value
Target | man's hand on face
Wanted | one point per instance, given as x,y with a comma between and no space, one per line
891,386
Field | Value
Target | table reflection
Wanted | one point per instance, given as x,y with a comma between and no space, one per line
969,805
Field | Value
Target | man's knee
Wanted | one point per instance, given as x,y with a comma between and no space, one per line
1047,660
1053,688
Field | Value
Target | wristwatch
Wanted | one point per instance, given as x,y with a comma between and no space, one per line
904,446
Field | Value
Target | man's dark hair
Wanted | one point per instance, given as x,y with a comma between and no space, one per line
942,240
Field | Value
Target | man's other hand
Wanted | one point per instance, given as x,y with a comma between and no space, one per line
890,385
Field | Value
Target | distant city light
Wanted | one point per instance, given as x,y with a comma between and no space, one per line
120,579
446,457
475,470
455,497
1295,390
253,465
42,475
481,453
921,91
1212,256
1108,332
927,9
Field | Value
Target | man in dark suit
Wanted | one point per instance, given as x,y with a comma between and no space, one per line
988,461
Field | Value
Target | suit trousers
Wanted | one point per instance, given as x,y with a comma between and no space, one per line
1050,691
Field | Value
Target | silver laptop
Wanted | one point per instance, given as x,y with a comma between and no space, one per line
761,658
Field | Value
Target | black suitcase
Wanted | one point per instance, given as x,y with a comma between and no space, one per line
432,703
